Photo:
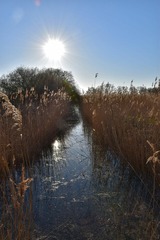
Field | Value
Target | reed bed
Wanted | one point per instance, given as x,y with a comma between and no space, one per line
127,124
42,121
38,121
25,131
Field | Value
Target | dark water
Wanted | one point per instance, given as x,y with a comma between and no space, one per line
80,192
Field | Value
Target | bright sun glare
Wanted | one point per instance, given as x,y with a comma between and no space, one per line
54,49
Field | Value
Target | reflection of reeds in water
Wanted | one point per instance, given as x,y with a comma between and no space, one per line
41,119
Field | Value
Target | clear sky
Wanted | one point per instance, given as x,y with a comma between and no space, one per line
119,39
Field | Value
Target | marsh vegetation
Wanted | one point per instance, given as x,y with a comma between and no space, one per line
127,123
99,173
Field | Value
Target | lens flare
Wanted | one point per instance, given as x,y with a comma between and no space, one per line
37,3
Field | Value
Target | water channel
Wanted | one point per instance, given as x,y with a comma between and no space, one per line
80,192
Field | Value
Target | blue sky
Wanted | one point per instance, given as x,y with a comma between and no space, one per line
119,39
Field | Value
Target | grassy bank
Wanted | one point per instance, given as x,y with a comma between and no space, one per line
128,124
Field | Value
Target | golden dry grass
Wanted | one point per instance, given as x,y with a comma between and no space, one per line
125,123
42,121
25,132
16,217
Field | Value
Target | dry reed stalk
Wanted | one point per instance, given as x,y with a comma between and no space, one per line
15,217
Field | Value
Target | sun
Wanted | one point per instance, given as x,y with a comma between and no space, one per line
54,49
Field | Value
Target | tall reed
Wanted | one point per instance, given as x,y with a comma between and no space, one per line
16,215
42,120
124,122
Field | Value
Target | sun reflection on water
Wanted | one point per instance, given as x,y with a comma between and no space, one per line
57,146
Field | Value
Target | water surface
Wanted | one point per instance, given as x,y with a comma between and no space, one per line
80,192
